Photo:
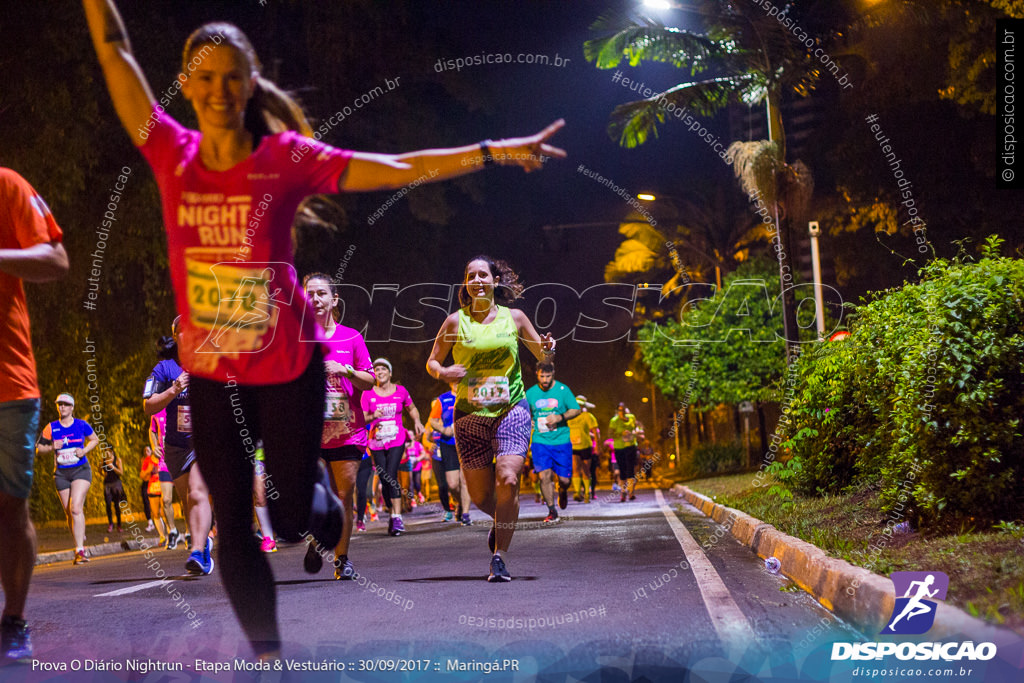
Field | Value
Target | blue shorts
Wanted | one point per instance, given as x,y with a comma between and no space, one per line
19,426
557,458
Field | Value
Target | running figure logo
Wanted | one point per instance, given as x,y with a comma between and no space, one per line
913,613
237,304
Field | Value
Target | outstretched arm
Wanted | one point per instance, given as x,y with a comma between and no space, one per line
132,97
367,172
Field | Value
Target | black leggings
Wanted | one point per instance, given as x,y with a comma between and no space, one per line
113,494
363,479
227,421
387,462
417,481
626,458
440,476
144,491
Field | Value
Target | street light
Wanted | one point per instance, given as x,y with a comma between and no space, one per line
662,4
819,305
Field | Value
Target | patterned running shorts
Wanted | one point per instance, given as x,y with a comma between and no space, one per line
480,439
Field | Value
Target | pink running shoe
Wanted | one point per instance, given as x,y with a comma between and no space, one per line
360,526
269,545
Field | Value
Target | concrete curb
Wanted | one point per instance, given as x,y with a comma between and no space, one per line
854,594
112,548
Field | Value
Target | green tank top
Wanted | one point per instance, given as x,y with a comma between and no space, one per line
490,354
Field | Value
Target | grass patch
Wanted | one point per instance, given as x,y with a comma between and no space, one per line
985,565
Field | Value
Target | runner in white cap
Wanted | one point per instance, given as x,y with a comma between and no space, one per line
70,440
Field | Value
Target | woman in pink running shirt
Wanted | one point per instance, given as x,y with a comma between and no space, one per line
382,407
349,374
249,341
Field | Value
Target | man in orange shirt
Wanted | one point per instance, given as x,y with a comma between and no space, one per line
30,249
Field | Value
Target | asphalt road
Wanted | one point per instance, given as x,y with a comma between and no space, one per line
643,588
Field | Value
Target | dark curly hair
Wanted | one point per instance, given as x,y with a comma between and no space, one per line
508,287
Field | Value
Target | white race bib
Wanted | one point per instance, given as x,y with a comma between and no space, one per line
542,425
386,431
185,419
67,456
489,391
336,407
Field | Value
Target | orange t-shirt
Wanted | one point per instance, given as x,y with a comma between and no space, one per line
25,221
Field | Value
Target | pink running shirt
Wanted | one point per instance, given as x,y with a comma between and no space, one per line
344,424
387,431
230,250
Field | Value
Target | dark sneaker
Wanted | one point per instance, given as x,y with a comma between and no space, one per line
632,497
313,561
15,639
563,498
492,542
345,571
465,519
398,527
172,540
326,518
623,498
498,571
578,498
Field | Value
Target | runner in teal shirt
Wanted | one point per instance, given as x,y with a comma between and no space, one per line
552,405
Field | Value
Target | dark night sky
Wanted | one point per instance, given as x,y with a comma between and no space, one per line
508,209
330,53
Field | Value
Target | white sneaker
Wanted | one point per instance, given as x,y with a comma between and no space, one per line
150,527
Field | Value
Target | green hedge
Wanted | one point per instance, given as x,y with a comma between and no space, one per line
925,398
718,458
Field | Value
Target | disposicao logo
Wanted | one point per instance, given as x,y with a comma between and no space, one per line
914,612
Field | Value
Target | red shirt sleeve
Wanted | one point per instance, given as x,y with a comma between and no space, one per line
27,219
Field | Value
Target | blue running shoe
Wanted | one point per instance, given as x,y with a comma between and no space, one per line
15,640
200,562
208,556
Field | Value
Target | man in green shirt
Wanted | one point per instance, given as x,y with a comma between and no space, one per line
623,429
552,405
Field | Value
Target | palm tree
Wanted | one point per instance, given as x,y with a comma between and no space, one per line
702,236
756,59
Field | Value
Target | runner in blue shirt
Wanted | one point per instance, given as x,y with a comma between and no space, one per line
552,405
167,387
442,419
70,440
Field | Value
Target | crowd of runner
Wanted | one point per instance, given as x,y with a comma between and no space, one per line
262,407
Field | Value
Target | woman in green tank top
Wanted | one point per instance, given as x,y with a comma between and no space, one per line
490,400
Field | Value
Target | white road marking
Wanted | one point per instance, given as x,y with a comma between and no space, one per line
132,589
732,626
